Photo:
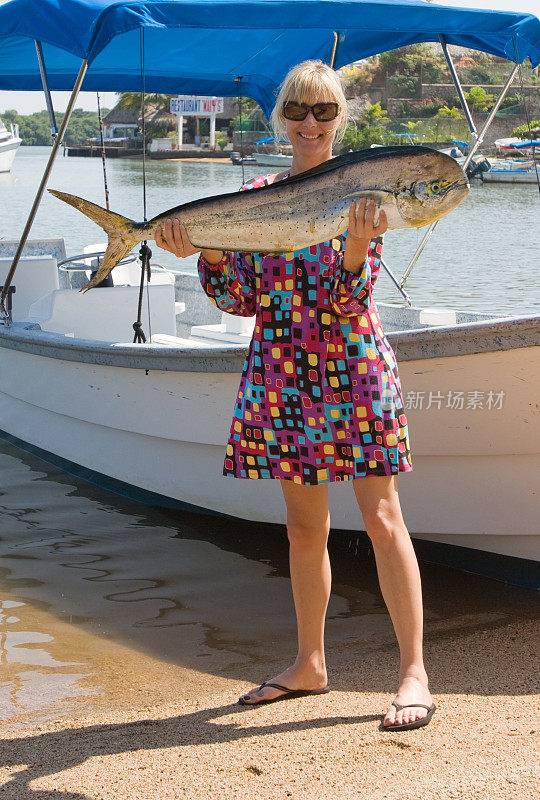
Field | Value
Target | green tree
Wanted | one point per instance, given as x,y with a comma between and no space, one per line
356,138
522,130
478,99
222,140
449,113
374,114
133,100
34,129
415,59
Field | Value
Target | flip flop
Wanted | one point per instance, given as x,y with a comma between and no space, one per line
418,723
290,693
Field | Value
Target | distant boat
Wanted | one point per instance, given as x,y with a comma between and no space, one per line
511,171
238,158
271,159
9,144
508,143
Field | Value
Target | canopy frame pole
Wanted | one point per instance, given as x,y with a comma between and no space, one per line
470,122
334,50
472,151
46,90
5,316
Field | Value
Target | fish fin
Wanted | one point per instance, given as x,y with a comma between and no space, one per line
119,229
117,248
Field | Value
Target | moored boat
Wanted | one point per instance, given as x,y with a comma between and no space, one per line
77,389
10,142
511,171
271,159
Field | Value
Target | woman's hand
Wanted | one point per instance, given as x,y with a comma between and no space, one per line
172,236
362,230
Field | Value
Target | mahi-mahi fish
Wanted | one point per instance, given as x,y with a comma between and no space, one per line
414,185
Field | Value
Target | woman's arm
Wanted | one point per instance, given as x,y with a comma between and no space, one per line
227,278
351,288
229,282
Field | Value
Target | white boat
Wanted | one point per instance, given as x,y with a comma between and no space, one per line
273,160
156,417
263,159
9,144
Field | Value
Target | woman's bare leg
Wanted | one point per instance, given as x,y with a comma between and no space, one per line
399,579
308,526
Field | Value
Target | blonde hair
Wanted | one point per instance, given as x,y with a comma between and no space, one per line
309,82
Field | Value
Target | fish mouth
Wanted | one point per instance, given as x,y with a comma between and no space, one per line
454,185
461,183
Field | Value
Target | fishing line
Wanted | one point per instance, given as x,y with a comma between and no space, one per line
143,121
526,113
145,252
238,81
103,153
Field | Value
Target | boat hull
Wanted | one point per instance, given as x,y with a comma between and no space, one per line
506,176
475,471
273,160
8,150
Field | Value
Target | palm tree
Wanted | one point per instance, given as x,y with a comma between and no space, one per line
133,100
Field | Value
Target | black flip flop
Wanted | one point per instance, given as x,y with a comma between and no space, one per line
407,726
290,694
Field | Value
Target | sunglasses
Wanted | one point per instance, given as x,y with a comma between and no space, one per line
323,112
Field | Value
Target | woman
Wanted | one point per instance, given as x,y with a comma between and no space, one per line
320,400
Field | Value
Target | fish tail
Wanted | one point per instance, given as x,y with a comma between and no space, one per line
121,231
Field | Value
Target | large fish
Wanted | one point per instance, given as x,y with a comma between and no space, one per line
414,185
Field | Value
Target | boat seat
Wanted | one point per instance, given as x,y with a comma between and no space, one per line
35,276
105,314
232,329
35,247
127,274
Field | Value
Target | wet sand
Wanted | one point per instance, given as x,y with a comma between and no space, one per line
128,633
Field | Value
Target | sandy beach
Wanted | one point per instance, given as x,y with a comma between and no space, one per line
481,743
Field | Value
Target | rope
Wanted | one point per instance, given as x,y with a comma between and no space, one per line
103,153
145,252
527,114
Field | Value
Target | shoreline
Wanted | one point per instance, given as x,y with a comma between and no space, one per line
480,743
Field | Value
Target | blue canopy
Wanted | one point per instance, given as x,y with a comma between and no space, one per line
201,46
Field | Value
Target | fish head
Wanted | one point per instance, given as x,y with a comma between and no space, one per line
432,188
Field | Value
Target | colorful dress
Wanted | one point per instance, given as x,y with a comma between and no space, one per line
320,397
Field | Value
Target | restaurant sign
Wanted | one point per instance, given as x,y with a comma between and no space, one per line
191,105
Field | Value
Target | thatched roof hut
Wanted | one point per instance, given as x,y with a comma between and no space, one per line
159,115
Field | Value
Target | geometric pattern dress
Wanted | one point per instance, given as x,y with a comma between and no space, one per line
320,398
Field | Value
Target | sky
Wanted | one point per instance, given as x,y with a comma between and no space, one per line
28,102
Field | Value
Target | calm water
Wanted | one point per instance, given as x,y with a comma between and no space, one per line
485,256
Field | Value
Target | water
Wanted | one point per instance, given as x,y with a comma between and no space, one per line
483,257
107,605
